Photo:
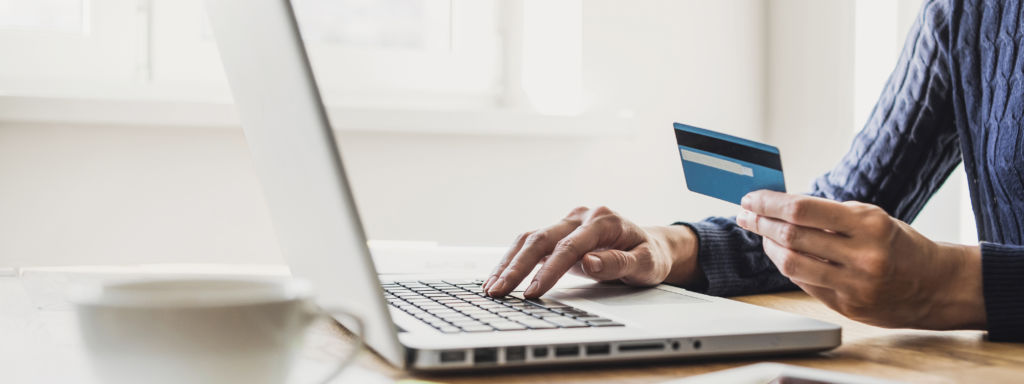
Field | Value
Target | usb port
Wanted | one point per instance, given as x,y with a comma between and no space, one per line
515,354
540,352
598,349
485,355
567,350
453,356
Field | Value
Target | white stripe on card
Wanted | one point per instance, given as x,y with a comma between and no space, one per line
715,162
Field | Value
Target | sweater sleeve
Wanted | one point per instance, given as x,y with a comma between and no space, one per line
1001,268
905,152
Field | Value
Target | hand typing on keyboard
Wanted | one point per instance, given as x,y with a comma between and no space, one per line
599,244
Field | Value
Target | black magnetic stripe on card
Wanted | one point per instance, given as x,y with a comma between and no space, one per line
729,149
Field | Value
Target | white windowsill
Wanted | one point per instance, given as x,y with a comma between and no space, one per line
489,121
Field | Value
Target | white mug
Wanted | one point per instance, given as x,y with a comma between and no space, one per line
198,330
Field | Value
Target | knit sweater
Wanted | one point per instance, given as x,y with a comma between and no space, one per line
957,94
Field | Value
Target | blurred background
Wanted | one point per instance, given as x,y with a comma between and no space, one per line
463,122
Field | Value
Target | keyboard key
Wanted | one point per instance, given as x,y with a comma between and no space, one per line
547,303
538,324
565,322
604,323
463,281
520,317
466,322
507,326
486,317
449,329
477,328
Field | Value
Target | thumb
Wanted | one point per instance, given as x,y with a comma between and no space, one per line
610,264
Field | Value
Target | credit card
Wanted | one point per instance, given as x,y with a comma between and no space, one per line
727,167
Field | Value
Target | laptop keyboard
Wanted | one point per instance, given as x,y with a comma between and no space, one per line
461,306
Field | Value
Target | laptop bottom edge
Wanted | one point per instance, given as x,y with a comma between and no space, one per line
684,348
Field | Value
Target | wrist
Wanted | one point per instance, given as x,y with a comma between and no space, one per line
960,303
680,245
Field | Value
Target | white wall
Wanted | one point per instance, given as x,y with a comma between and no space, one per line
810,85
73,194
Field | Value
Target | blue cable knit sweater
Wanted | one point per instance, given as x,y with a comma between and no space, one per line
957,94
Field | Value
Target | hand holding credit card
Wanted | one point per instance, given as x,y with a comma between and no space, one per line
727,167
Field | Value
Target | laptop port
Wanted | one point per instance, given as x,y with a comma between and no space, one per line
515,354
453,356
567,350
485,356
540,352
598,349
641,347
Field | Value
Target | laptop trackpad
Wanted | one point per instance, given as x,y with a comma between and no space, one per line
623,295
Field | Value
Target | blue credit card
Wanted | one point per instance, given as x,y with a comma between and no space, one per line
727,167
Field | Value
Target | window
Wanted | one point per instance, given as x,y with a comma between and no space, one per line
43,38
46,15
429,66
164,50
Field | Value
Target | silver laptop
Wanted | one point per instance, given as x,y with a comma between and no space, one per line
446,323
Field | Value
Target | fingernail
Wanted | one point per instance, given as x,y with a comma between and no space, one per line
498,286
531,290
743,219
594,263
487,284
745,201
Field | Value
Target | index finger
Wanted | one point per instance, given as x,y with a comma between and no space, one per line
807,211
534,247
568,252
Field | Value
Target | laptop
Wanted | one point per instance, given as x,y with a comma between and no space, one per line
432,323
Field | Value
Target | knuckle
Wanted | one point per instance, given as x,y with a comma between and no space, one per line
575,215
538,237
602,211
607,221
872,215
520,238
789,265
794,210
876,215
788,234
567,245
578,210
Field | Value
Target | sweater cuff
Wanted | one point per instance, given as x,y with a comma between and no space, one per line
1002,267
718,271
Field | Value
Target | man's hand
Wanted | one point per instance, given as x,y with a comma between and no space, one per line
867,265
600,244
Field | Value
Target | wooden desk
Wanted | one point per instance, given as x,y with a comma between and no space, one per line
32,312
896,354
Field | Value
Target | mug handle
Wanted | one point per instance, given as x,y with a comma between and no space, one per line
360,341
